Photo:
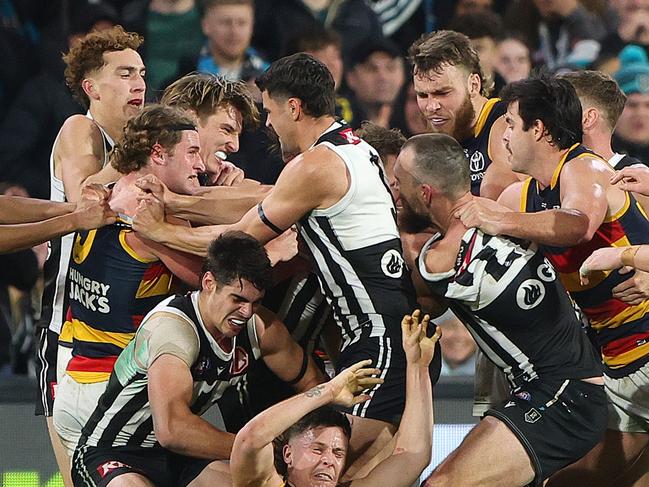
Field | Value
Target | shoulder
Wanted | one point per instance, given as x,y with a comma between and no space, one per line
587,167
79,131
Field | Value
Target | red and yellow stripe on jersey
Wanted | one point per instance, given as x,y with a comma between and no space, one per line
110,289
622,329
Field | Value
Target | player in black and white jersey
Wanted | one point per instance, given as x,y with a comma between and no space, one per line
105,73
509,297
187,351
336,192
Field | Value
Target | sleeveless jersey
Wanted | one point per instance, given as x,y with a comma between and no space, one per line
476,147
356,248
622,329
54,301
110,289
521,317
123,414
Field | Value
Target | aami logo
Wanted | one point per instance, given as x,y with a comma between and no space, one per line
240,361
530,293
476,162
392,263
349,135
107,467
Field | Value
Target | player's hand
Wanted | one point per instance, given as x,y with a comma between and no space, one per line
149,218
92,210
226,174
633,178
419,348
604,259
283,248
151,185
484,214
635,289
347,387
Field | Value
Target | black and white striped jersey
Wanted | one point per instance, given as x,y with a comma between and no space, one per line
123,414
520,315
53,301
356,248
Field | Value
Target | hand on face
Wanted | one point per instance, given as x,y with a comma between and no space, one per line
225,173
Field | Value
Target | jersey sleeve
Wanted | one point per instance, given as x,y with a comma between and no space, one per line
167,333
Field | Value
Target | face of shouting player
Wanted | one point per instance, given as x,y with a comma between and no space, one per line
281,118
180,165
219,134
413,216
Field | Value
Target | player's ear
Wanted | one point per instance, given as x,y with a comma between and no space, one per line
158,155
474,85
287,455
89,88
295,107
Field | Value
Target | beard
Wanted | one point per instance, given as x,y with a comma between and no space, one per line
463,129
410,221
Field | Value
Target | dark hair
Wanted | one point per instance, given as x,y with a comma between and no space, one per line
322,417
386,141
601,90
205,93
440,161
476,25
553,101
431,52
157,124
88,56
238,256
301,76
313,39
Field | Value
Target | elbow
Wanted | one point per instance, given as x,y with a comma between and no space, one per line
250,438
167,434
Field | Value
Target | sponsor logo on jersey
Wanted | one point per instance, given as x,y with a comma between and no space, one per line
392,263
524,395
107,467
476,162
349,136
530,293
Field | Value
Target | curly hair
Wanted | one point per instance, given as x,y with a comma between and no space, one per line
88,56
157,124
433,51
204,93
387,142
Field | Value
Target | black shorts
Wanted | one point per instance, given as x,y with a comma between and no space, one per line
387,400
556,422
46,354
97,466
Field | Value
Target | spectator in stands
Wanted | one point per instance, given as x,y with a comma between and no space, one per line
465,7
325,45
513,61
563,32
484,28
406,115
278,21
172,31
632,131
458,347
228,26
375,76
631,27
28,131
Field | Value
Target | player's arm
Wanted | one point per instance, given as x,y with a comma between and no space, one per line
499,174
283,356
214,205
610,258
252,456
413,445
18,209
584,207
173,346
78,154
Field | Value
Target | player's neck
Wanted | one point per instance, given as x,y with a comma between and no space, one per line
313,129
546,161
124,195
600,143
443,215
113,126
478,104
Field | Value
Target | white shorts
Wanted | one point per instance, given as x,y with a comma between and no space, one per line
73,406
628,401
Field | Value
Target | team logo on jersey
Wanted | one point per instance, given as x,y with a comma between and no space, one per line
530,293
349,136
532,416
392,263
546,272
107,467
476,162
240,361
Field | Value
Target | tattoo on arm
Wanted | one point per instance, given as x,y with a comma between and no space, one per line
314,392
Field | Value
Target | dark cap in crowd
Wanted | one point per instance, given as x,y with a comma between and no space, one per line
84,18
633,76
379,44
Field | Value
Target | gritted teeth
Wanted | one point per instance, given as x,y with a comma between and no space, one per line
221,155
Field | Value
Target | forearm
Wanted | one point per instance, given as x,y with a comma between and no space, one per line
16,209
557,227
640,259
192,240
217,205
416,426
25,235
192,436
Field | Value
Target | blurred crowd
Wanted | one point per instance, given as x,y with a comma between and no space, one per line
364,44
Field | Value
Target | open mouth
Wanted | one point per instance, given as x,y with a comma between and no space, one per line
236,324
324,476
138,102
